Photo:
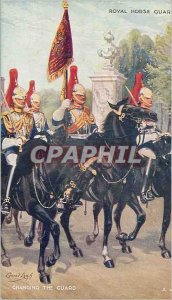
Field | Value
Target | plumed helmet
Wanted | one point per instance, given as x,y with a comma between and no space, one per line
146,98
19,93
79,89
30,91
35,97
13,74
73,79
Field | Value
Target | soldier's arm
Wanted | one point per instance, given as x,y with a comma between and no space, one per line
6,141
34,131
58,115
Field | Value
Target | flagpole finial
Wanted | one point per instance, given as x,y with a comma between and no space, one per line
65,4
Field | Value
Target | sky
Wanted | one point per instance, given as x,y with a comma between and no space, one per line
28,28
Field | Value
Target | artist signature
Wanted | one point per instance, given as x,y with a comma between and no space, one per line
14,277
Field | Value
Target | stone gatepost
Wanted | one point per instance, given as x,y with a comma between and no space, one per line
107,84
2,83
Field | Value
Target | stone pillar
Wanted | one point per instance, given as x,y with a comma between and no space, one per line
107,87
2,83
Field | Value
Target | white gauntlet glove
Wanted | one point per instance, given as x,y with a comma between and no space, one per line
58,115
41,137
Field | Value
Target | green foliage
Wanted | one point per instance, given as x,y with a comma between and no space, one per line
135,54
50,101
160,70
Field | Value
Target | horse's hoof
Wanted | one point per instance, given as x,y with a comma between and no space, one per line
90,239
44,278
28,241
6,262
77,253
109,263
122,237
166,254
50,261
126,249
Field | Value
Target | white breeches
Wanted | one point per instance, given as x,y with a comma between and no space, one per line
146,137
11,159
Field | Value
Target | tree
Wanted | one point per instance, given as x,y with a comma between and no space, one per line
160,70
135,54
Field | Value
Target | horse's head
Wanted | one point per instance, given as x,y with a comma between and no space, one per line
132,114
122,123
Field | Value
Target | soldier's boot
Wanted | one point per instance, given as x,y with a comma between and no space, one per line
6,205
146,194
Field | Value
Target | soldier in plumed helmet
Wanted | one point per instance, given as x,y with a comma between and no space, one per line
73,115
75,120
148,133
33,100
17,126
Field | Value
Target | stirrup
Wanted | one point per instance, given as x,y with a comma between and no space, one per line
6,206
146,197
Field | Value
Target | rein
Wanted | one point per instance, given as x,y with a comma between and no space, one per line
119,180
36,192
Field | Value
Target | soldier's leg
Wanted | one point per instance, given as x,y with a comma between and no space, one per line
11,161
146,193
82,184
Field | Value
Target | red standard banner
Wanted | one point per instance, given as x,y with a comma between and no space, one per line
61,54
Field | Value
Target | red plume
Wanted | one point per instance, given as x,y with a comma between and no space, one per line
30,91
138,84
13,73
73,79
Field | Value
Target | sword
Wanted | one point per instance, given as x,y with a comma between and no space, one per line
131,96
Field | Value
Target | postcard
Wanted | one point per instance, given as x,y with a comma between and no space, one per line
86,149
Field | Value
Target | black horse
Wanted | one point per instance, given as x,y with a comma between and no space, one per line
38,201
161,186
111,183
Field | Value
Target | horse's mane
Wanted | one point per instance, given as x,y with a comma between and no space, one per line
110,122
122,133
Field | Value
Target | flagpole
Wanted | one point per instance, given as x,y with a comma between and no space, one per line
65,6
65,76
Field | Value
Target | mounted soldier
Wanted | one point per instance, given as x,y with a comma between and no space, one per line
76,123
33,101
148,134
17,127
